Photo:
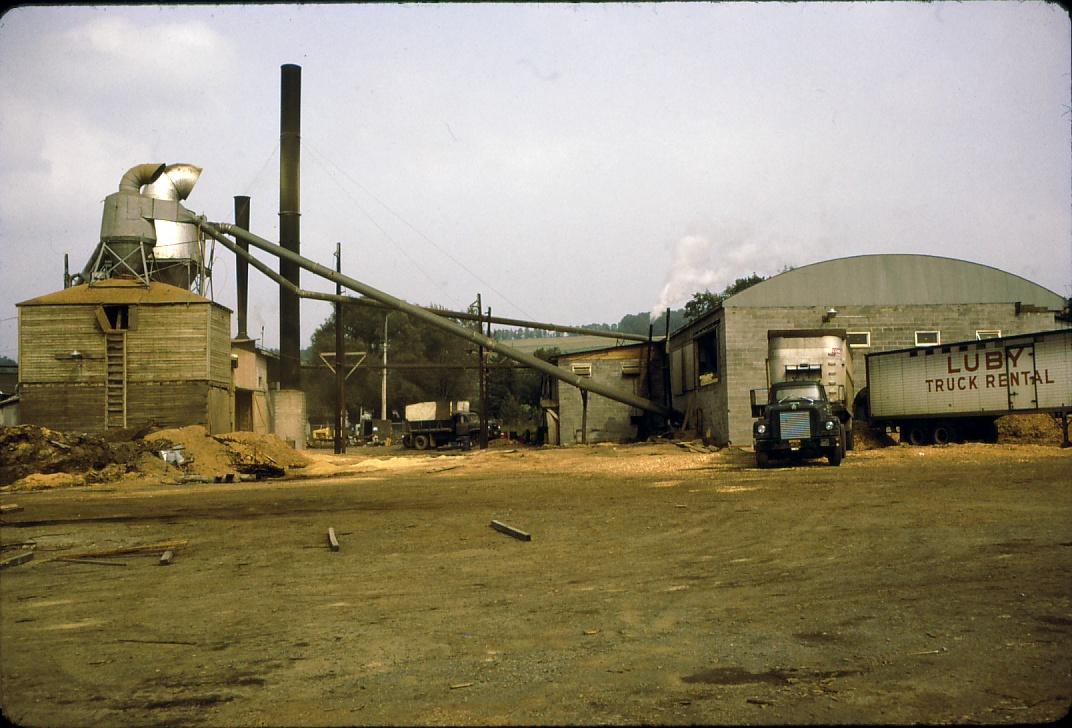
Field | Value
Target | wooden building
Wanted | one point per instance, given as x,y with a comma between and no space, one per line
118,353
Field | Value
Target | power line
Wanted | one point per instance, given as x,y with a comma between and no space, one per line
431,242
379,227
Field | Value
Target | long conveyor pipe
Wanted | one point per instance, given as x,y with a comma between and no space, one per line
219,231
462,315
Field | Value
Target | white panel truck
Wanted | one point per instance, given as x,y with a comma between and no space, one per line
805,410
947,392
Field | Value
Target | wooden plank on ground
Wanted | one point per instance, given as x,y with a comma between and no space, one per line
332,541
143,549
165,559
10,508
511,531
16,560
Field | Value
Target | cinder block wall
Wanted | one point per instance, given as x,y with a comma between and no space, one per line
608,421
891,327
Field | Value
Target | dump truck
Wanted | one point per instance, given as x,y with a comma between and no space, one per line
793,421
950,392
430,425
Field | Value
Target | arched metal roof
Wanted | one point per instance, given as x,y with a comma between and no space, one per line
894,279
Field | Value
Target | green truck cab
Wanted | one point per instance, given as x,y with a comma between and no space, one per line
798,421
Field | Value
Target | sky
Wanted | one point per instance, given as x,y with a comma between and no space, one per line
571,163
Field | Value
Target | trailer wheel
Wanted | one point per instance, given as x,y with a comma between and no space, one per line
762,459
422,442
917,435
942,434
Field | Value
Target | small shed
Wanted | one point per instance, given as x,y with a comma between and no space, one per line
635,368
119,353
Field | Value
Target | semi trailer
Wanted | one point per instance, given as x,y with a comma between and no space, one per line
948,392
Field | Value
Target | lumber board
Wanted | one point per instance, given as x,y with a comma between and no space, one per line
142,549
16,560
333,542
511,531
11,508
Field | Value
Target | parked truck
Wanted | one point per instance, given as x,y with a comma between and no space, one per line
948,392
432,424
805,411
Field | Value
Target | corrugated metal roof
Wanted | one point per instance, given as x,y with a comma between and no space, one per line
118,291
894,279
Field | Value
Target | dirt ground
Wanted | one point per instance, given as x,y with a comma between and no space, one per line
660,585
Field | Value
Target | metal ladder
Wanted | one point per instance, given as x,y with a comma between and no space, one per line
115,391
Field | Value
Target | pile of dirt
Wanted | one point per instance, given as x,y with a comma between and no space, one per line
30,449
1041,429
865,437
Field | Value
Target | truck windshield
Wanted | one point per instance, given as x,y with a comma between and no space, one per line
804,390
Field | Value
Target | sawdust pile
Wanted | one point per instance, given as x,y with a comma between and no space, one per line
33,457
251,447
1041,429
233,452
865,437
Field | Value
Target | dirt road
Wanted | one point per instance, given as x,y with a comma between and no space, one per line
660,586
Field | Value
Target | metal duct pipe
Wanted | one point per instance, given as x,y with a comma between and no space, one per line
289,225
113,224
241,217
220,230
244,257
177,245
139,176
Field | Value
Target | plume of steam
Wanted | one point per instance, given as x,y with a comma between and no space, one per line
699,264
691,270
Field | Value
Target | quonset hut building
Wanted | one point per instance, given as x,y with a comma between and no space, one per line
883,302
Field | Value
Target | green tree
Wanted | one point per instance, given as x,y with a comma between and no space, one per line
409,341
704,301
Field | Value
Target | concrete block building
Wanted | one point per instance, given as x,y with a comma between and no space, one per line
635,368
883,302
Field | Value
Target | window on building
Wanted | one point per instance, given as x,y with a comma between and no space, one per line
858,339
987,334
707,353
928,338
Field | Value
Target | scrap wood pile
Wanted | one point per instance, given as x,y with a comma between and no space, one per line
62,458
37,457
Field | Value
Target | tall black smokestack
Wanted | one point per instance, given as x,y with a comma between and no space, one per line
289,225
241,218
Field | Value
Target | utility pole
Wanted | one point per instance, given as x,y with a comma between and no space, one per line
340,374
383,387
483,381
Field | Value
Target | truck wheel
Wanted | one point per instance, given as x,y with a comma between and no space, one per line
836,455
421,442
762,459
942,434
850,442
